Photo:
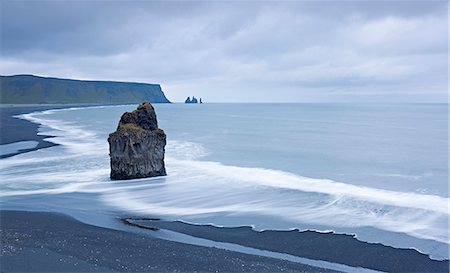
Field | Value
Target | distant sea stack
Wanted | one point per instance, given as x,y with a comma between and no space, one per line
29,89
193,100
136,148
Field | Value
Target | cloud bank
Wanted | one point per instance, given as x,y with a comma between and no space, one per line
231,51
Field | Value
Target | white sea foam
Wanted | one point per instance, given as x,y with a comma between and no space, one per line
185,150
280,179
213,188
74,137
196,187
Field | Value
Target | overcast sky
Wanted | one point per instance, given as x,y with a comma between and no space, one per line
231,51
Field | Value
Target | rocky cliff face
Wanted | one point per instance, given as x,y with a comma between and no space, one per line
32,89
136,149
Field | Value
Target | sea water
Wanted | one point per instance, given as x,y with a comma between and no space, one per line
377,171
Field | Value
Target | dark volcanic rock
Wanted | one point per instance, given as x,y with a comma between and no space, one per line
136,149
193,100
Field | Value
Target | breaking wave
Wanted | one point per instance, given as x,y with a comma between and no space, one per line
198,188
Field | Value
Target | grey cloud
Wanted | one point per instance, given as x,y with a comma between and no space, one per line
241,50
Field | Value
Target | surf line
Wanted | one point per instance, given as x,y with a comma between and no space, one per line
169,235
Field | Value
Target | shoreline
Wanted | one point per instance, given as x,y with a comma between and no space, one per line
155,245
216,233
14,130
330,247
45,241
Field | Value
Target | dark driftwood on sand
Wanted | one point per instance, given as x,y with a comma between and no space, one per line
49,242
337,248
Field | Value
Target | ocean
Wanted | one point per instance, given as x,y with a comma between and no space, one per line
377,171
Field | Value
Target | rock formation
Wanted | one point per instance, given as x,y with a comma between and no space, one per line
136,148
189,100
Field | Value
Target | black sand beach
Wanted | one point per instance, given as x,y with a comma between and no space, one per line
331,247
50,242
15,129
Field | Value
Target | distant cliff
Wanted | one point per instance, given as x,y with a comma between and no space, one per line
22,89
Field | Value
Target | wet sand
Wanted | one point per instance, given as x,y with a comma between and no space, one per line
14,129
330,247
51,242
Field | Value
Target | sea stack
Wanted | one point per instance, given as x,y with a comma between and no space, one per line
136,148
